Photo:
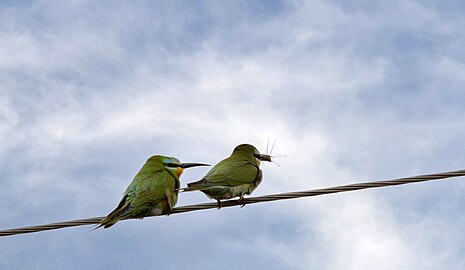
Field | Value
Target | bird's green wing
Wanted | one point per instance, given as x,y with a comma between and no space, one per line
231,172
145,190
153,188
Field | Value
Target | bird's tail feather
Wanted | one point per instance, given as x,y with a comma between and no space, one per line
187,189
115,215
199,185
105,223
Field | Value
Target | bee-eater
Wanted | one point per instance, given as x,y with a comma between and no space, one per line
235,176
154,190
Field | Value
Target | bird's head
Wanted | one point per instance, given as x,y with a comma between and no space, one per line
173,165
249,149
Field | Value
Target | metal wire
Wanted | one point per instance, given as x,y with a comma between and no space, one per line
251,200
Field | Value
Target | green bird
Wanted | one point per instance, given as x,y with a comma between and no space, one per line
154,190
235,176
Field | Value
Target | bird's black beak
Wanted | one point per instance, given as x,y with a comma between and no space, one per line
189,165
263,157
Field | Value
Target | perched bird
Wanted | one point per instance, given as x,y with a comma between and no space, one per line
154,190
235,176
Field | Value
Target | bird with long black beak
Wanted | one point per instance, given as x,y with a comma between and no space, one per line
154,190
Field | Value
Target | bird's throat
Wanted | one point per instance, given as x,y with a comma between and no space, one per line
179,171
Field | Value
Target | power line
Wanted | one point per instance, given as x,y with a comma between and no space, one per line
251,200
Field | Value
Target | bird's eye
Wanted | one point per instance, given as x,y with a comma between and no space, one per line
172,165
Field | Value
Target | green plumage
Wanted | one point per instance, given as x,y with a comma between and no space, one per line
154,190
235,176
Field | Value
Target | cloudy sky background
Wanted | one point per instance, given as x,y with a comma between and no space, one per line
354,91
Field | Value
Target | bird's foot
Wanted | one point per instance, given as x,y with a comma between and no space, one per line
218,204
241,200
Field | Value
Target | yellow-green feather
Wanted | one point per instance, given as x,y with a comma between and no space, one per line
237,175
153,191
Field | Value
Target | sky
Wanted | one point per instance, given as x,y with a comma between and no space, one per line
353,91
